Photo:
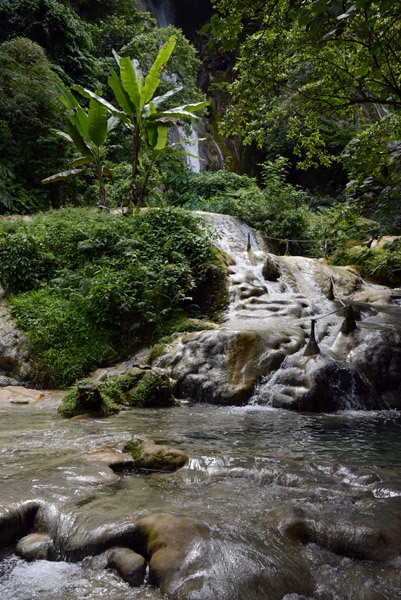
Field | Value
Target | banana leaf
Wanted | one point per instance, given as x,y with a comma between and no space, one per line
97,122
63,175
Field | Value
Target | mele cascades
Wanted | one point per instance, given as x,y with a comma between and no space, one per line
291,489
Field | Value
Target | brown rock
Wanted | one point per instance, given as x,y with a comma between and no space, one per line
128,564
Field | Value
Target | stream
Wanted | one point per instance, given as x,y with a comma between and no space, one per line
297,505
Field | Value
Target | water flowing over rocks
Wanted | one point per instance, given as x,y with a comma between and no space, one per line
302,503
258,353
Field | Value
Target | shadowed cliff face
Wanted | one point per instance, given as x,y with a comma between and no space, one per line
189,15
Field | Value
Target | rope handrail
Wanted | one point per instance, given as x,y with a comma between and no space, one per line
269,237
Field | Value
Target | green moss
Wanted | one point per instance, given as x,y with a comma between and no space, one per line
136,388
86,397
152,391
134,448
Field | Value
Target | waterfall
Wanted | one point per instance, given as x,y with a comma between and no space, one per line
257,355
190,145
163,11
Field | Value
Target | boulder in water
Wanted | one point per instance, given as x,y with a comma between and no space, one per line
320,384
174,546
148,456
35,546
128,564
271,270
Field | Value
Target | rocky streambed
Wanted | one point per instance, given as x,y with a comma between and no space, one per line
290,487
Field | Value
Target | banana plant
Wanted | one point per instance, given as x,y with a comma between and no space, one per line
87,130
139,107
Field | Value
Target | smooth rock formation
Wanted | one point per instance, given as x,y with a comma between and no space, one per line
352,360
148,456
222,366
35,546
175,546
14,349
318,384
359,538
128,564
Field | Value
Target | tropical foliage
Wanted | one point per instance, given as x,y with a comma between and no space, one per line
89,287
139,111
87,131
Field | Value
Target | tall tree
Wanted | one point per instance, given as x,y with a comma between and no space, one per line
309,58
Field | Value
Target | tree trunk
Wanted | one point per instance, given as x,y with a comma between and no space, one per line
145,184
102,189
131,199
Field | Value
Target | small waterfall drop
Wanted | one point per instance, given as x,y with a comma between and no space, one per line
163,11
258,355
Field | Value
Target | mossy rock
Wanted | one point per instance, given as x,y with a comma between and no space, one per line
153,390
137,387
148,456
86,397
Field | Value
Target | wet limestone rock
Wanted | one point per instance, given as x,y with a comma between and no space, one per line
359,538
305,275
16,521
129,565
35,546
320,384
174,546
14,348
115,459
148,456
222,366
271,270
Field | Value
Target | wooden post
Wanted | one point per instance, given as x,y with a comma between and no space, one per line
330,294
248,247
349,324
287,248
312,349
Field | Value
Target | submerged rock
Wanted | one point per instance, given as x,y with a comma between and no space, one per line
148,456
359,538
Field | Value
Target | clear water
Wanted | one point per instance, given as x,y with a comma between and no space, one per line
247,466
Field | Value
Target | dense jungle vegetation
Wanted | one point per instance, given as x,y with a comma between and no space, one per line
303,98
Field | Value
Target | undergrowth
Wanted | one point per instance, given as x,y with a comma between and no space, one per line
89,287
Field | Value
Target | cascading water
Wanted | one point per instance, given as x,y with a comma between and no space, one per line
189,15
292,505
273,301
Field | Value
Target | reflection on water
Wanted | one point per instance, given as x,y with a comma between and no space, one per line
250,468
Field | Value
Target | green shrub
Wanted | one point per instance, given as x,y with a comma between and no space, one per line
88,287
190,189
382,264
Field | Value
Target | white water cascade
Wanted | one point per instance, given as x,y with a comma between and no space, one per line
259,353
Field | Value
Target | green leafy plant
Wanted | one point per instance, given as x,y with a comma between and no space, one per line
135,96
89,287
87,131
